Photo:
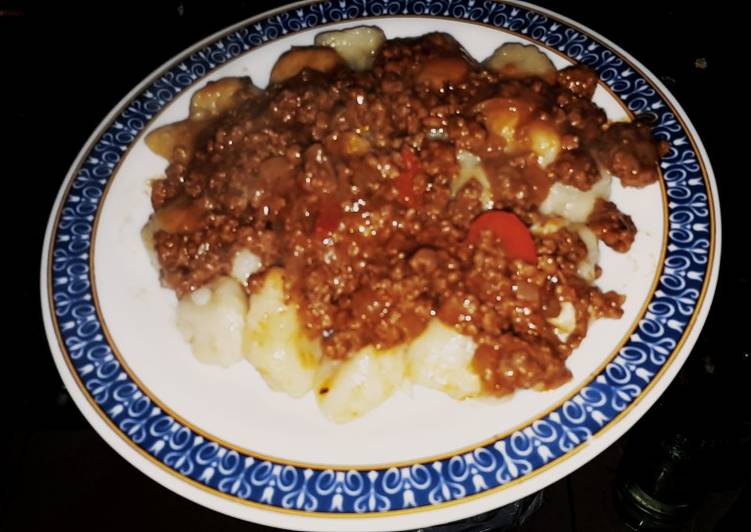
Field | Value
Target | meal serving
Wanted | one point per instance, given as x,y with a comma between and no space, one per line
394,210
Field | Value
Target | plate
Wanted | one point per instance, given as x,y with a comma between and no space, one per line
223,439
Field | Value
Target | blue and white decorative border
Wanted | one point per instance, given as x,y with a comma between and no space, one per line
420,485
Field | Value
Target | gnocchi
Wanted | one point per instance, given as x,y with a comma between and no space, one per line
441,358
470,167
291,63
275,343
385,283
520,60
346,390
212,320
357,46
573,204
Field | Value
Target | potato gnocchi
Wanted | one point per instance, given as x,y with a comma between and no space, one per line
241,305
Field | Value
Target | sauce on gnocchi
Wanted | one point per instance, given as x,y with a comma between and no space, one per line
394,209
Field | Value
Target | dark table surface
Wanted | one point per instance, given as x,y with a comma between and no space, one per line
64,68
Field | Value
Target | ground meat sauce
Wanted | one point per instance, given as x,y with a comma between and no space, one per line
629,151
345,180
610,225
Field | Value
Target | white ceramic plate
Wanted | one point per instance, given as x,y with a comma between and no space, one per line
223,439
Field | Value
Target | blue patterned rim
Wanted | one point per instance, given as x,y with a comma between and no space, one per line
242,476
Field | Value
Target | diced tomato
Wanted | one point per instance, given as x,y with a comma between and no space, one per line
405,182
329,216
515,236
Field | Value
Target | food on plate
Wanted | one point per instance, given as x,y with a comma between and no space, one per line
391,210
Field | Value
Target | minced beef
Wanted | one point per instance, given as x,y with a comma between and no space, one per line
344,179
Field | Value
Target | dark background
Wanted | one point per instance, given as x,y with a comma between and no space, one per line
65,66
